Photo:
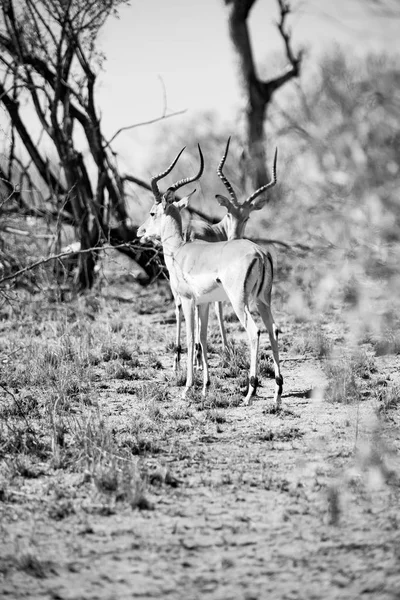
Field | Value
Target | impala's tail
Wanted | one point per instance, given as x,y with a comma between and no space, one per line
261,273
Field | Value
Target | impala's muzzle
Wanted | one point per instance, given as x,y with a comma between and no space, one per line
141,234
145,236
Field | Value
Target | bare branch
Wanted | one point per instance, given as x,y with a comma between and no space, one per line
138,181
40,164
14,190
285,10
49,48
257,93
293,70
174,114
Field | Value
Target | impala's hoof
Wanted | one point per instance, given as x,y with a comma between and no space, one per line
248,401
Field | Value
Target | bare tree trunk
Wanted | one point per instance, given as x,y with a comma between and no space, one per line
49,59
255,161
257,94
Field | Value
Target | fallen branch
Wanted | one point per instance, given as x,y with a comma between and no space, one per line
47,259
297,358
24,233
30,497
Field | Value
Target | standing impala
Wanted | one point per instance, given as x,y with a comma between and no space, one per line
201,272
231,227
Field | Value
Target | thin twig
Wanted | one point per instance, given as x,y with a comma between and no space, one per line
297,358
174,114
285,10
15,190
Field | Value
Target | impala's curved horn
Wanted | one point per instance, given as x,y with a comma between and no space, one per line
265,187
186,180
156,178
222,176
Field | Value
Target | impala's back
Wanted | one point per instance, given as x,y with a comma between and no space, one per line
212,272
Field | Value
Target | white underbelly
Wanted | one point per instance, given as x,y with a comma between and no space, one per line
216,295
202,288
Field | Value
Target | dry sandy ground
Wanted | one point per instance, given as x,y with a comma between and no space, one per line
302,504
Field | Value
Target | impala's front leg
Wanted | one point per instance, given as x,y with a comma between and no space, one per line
188,311
203,321
197,358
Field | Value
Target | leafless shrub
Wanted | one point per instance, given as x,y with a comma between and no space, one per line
346,374
388,399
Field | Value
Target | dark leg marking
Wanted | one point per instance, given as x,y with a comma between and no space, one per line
178,352
279,382
254,384
271,263
260,287
199,355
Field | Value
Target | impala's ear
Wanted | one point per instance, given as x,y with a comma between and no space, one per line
258,203
167,198
183,202
223,201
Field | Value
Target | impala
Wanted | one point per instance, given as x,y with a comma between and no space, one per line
231,227
202,272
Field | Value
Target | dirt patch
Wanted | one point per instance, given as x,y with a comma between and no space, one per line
217,500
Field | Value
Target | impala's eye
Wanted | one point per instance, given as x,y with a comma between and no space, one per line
153,214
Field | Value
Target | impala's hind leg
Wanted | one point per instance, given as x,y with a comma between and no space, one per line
243,313
198,362
178,347
220,318
266,315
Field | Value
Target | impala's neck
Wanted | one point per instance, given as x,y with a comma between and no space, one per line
221,229
230,228
171,230
201,230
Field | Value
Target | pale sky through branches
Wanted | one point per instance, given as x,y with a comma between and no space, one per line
185,44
